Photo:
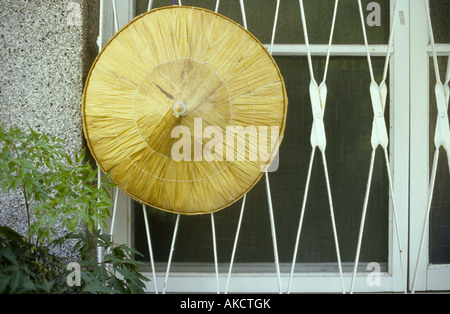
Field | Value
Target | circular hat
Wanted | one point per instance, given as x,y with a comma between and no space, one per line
185,109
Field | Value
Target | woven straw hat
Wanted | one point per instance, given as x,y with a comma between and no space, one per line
175,80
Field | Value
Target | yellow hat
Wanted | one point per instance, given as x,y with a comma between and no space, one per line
172,73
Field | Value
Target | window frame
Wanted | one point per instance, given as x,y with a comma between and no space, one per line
266,281
429,277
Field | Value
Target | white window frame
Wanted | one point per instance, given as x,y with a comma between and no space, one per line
430,277
400,153
122,231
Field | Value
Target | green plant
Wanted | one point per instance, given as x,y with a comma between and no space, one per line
25,268
60,194
58,190
118,272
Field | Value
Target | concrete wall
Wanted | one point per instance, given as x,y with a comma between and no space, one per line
46,50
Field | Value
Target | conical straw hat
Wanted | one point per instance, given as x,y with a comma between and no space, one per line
168,83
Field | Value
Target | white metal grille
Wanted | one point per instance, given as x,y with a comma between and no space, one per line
442,132
318,95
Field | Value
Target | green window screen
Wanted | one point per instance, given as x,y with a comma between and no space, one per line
260,16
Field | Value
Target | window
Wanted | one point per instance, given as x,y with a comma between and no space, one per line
440,214
348,125
429,232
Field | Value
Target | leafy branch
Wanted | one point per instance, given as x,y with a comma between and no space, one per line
60,194
55,188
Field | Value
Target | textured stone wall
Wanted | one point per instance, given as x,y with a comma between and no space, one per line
46,50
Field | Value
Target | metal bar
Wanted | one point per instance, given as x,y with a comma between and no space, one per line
333,222
274,28
391,39
274,236
305,34
113,220
116,18
322,50
217,6
172,248
150,250
379,131
369,62
439,49
269,197
215,251
330,41
394,211
100,26
235,242
244,18
427,217
318,138
300,224
432,42
363,218
99,248
100,46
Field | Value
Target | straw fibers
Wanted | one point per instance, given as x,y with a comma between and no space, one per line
189,68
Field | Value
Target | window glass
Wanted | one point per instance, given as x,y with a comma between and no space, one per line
260,15
439,12
439,240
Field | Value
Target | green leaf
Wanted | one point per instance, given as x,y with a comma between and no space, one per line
14,282
7,253
4,284
25,285
64,192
